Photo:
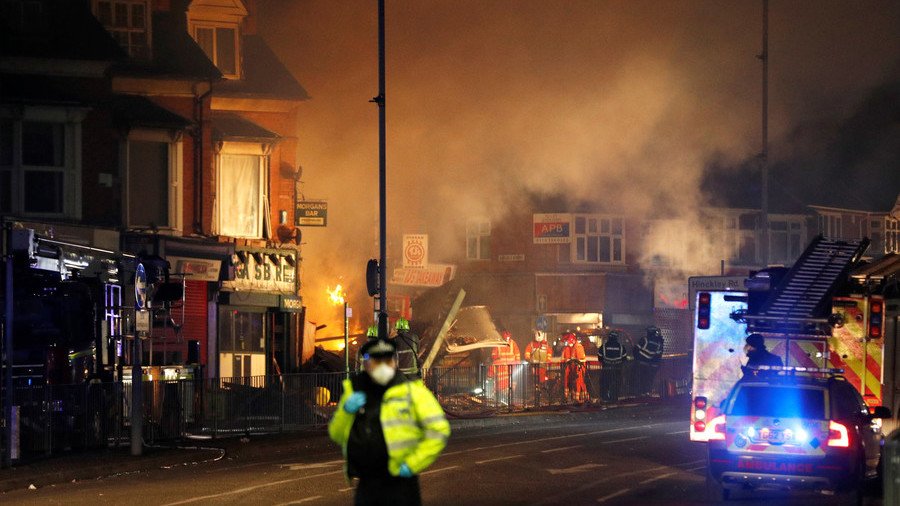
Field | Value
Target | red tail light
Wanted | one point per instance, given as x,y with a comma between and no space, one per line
717,428
700,402
838,435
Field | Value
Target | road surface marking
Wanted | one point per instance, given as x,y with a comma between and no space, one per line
617,494
622,440
554,438
298,501
577,469
551,450
318,465
345,489
656,478
438,470
248,489
498,458
677,432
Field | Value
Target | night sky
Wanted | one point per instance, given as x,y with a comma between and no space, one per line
644,107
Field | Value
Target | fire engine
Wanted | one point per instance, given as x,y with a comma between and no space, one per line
829,311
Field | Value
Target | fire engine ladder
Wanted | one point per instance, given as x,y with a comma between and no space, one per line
802,298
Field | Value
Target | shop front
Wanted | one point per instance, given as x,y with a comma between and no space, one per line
258,316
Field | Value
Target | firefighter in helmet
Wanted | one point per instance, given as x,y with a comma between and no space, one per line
574,358
503,360
612,357
407,349
647,357
538,353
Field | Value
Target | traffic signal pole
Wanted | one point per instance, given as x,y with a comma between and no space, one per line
382,181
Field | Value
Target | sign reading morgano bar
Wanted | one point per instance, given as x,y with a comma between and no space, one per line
270,271
312,213
552,228
432,275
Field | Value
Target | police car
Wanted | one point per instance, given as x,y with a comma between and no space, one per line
794,428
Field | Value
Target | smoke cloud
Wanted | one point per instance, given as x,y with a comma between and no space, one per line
624,105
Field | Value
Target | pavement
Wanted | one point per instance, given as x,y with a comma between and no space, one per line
118,461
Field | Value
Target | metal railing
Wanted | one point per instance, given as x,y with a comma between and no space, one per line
57,418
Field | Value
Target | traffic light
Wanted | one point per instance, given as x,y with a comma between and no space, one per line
876,318
703,302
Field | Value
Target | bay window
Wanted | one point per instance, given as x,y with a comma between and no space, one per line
241,200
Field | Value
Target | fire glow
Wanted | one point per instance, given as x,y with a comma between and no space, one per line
336,296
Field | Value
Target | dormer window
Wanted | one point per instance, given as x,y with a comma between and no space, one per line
128,21
215,25
220,44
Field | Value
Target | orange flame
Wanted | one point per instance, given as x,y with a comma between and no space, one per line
337,295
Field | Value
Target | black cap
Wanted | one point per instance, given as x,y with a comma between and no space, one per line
756,341
377,348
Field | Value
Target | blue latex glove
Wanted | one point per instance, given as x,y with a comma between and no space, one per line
405,472
354,402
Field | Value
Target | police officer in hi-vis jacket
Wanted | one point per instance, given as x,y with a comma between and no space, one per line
390,429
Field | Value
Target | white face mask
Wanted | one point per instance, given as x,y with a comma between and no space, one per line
539,336
382,374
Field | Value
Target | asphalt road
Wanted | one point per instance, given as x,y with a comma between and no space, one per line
628,455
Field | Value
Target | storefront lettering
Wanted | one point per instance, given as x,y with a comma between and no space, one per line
266,276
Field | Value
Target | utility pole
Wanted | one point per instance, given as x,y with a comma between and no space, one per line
8,350
382,181
764,155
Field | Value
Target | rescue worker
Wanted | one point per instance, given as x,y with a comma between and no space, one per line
538,353
503,359
612,355
407,349
758,355
371,333
573,357
647,356
389,427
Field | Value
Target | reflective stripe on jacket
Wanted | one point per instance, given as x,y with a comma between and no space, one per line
414,425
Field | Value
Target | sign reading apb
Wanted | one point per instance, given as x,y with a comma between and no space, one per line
552,228
312,213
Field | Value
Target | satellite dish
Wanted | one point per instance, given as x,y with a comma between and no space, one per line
286,233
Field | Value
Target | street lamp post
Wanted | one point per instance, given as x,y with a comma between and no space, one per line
346,339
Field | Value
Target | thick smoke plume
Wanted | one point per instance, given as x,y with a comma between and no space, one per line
621,104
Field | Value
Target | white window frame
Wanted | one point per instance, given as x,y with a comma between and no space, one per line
215,26
594,231
891,235
70,119
795,226
175,176
831,225
263,226
478,230
147,29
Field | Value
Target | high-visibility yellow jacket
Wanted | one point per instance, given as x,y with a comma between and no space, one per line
415,428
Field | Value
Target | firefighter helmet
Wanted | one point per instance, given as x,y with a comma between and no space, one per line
402,325
506,335
570,339
372,331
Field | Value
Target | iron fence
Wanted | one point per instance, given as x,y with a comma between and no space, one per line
57,418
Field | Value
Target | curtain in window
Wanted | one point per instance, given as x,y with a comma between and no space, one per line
240,196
